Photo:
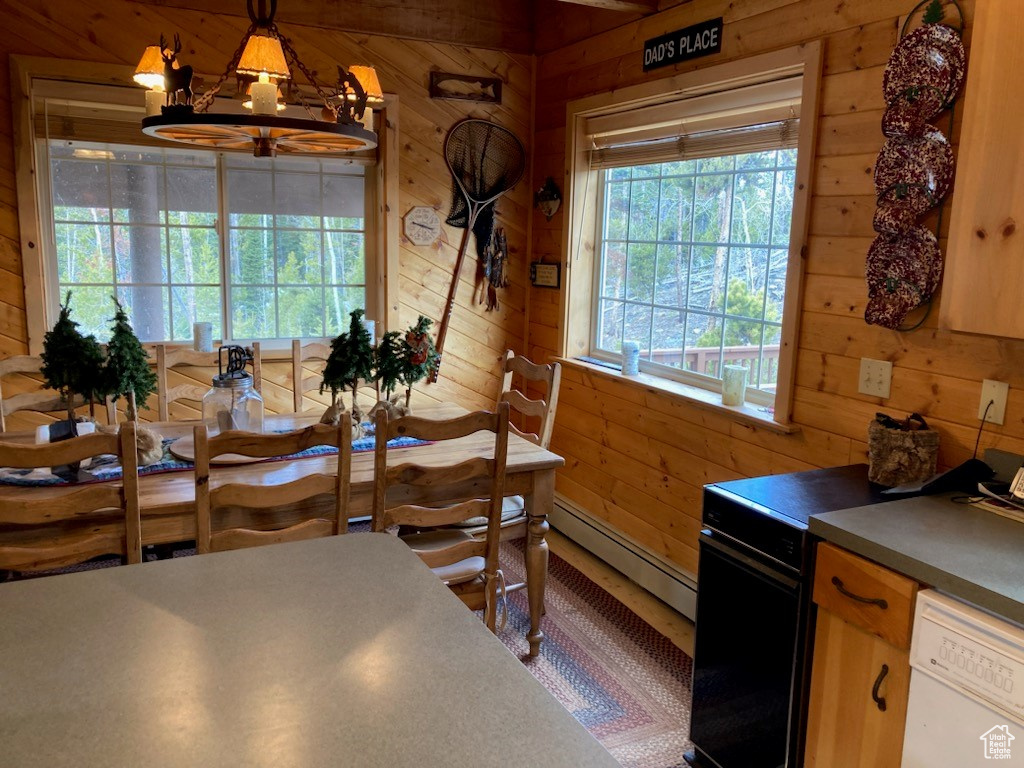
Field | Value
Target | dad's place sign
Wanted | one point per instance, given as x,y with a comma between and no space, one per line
683,44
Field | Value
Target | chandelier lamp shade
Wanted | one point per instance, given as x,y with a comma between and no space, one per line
265,66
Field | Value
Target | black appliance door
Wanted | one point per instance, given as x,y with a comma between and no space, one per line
745,654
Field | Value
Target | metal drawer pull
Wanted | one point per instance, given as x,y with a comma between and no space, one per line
880,700
838,584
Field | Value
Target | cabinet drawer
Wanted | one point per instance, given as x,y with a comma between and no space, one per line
865,594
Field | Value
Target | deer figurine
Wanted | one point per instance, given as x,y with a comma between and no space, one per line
176,80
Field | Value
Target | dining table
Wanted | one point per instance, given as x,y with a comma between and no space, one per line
167,499
338,651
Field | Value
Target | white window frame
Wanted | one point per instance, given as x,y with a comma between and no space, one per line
112,85
668,96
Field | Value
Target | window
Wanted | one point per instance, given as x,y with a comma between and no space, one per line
693,258
689,206
262,249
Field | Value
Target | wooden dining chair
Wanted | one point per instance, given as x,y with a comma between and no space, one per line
168,357
303,380
471,485
86,521
536,414
40,400
248,513
533,405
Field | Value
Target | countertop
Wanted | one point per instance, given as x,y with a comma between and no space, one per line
966,552
343,650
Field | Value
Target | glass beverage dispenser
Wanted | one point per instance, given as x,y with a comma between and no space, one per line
233,402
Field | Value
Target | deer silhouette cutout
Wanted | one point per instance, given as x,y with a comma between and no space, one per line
176,80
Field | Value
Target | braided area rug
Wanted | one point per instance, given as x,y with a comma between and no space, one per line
623,680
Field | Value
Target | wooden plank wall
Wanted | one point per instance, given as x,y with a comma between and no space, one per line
637,458
117,30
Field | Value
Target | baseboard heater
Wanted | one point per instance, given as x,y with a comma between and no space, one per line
663,579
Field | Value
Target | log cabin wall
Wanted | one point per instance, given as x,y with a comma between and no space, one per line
637,458
115,32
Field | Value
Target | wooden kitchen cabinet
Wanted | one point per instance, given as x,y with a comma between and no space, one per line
984,270
860,677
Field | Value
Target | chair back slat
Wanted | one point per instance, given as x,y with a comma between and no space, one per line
547,377
22,456
445,429
295,497
69,506
265,446
238,538
86,521
241,495
71,549
435,558
420,516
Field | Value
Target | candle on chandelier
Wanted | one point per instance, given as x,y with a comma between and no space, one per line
264,96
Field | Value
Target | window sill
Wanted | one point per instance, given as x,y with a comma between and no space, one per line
747,414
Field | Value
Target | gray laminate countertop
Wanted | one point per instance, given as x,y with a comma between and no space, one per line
970,553
341,651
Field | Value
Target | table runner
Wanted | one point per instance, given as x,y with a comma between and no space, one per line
105,468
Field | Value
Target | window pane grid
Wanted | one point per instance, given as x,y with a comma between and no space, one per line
310,296
151,237
134,212
727,250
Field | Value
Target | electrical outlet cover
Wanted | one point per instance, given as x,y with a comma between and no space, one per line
994,392
875,377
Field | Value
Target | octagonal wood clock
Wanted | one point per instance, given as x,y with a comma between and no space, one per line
422,225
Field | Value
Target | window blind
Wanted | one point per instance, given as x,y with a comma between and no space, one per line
754,118
780,134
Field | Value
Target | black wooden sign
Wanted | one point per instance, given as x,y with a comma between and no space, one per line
683,44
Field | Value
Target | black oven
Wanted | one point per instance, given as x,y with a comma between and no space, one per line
751,672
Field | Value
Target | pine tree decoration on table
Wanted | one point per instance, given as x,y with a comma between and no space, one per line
127,370
419,356
72,362
335,377
361,357
388,373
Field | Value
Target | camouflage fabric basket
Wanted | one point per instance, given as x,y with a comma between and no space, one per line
901,455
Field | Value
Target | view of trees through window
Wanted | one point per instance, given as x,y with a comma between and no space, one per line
693,262
144,224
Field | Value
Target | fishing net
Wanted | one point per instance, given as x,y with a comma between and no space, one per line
486,161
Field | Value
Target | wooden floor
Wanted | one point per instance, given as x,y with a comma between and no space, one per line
659,615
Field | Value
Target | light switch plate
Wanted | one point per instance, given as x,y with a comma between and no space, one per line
875,377
994,392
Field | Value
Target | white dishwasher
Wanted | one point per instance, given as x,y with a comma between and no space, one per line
966,703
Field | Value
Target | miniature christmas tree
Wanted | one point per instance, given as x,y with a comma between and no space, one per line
360,355
72,363
337,371
419,355
388,363
350,363
127,373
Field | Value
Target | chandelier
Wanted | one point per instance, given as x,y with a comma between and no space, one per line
262,65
